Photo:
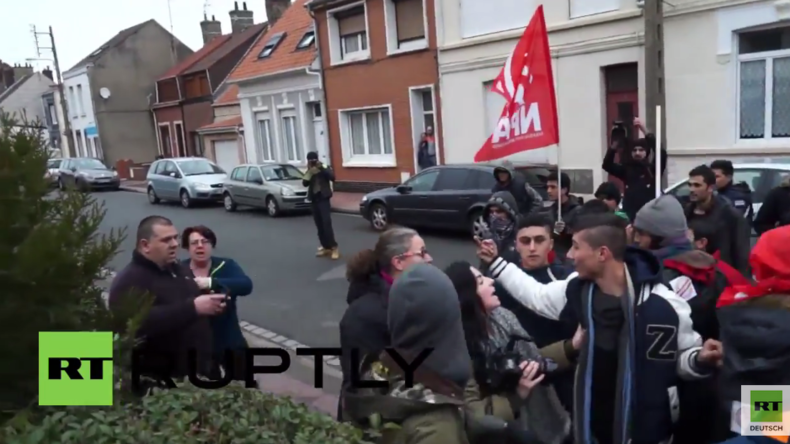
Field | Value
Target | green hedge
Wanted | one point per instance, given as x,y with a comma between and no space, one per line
188,415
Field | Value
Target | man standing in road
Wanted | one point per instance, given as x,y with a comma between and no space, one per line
739,194
318,181
512,181
176,322
733,231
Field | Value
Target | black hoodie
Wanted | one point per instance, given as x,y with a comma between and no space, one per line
639,179
505,240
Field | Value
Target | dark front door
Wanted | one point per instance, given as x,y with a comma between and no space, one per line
622,103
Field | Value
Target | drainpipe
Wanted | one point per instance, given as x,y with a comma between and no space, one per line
156,128
240,134
320,74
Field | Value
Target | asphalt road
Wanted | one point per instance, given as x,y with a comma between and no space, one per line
296,295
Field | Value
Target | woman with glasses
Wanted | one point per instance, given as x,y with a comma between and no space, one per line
215,274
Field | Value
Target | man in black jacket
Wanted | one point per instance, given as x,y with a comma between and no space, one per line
734,232
637,170
176,322
739,194
562,209
775,211
318,181
510,180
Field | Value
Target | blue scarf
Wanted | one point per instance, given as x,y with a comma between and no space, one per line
672,248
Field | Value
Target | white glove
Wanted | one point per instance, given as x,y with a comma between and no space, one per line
203,282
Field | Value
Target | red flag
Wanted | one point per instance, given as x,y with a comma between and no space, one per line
529,118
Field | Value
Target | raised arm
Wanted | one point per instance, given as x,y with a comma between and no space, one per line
615,169
547,300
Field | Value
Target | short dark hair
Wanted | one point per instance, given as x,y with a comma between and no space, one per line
608,191
535,220
589,208
704,229
705,172
145,229
604,230
565,183
201,230
724,165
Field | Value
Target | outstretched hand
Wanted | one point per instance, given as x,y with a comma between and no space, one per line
486,250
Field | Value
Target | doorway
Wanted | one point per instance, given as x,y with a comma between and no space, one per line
622,104
318,131
180,146
164,139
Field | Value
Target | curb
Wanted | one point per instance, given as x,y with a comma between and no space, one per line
283,342
334,209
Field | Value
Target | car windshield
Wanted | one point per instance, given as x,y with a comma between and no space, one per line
199,167
89,164
281,172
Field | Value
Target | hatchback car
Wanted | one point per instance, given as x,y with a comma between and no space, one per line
185,179
761,178
276,187
53,170
448,196
86,174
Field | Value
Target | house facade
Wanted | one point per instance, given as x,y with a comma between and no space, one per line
23,101
223,138
380,74
109,93
279,92
185,93
53,116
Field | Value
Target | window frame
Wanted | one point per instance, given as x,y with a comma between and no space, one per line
394,45
449,171
336,52
271,45
244,174
265,144
307,40
410,181
250,171
768,57
383,160
298,155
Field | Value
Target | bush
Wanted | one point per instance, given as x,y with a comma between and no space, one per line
188,415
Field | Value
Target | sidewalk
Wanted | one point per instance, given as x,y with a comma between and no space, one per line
341,202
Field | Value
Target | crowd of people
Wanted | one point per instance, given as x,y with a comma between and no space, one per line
629,318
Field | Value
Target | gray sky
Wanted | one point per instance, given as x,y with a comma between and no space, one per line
81,26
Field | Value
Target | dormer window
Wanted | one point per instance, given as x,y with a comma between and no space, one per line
307,40
271,45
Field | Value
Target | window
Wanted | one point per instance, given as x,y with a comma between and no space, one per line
180,145
53,115
80,100
426,102
271,45
72,103
317,113
452,179
239,174
476,17
254,175
264,135
89,164
281,172
53,164
290,141
369,132
482,180
198,167
80,147
307,40
197,86
170,167
583,8
159,168
764,84
423,182
348,34
405,25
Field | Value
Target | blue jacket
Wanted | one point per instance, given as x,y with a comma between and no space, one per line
740,196
227,277
657,344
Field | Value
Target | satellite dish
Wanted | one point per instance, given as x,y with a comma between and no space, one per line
104,93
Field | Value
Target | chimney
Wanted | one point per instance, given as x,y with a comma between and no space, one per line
210,28
275,10
22,70
48,72
240,19
8,76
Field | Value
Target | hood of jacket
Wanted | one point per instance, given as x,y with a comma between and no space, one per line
374,285
504,201
696,264
643,266
505,167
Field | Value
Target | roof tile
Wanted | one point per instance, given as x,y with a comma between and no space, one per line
195,57
233,122
231,95
231,44
295,22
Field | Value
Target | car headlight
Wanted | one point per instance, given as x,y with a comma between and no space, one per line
287,192
114,174
202,187
364,199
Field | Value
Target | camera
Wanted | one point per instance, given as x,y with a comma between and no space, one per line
619,131
504,371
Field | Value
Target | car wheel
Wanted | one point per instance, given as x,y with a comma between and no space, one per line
186,202
272,208
477,224
82,186
152,198
378,217
228,202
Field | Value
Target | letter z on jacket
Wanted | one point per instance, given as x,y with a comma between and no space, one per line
659,345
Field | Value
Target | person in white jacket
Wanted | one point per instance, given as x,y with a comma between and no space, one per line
639,333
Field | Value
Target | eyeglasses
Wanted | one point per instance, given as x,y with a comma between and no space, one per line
422,253
198,242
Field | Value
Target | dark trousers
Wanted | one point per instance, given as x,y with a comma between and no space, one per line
322,214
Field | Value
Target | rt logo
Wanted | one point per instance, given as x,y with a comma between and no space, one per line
766,406
75,368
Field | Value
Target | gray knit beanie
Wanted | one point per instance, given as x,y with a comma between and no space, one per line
662,217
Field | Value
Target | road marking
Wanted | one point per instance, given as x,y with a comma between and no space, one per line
338,272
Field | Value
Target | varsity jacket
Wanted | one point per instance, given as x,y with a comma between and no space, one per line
657,344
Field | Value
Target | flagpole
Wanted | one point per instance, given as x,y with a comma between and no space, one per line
657,151
559,150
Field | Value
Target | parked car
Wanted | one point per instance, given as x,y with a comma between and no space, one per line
447,196
86,174
53,168
185,179
276,187
761,178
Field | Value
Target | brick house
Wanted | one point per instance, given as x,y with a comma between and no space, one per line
380,78
223,139
184,94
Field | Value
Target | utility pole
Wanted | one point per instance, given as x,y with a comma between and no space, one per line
654,68
63,104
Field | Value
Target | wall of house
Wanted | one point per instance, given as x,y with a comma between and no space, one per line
24,102
382,82
226,112
50,119
80,110
130,72
273,99
196,114
167,116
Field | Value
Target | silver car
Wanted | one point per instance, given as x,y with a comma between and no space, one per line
276,187
185,179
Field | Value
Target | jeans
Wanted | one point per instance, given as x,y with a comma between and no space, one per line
322,214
